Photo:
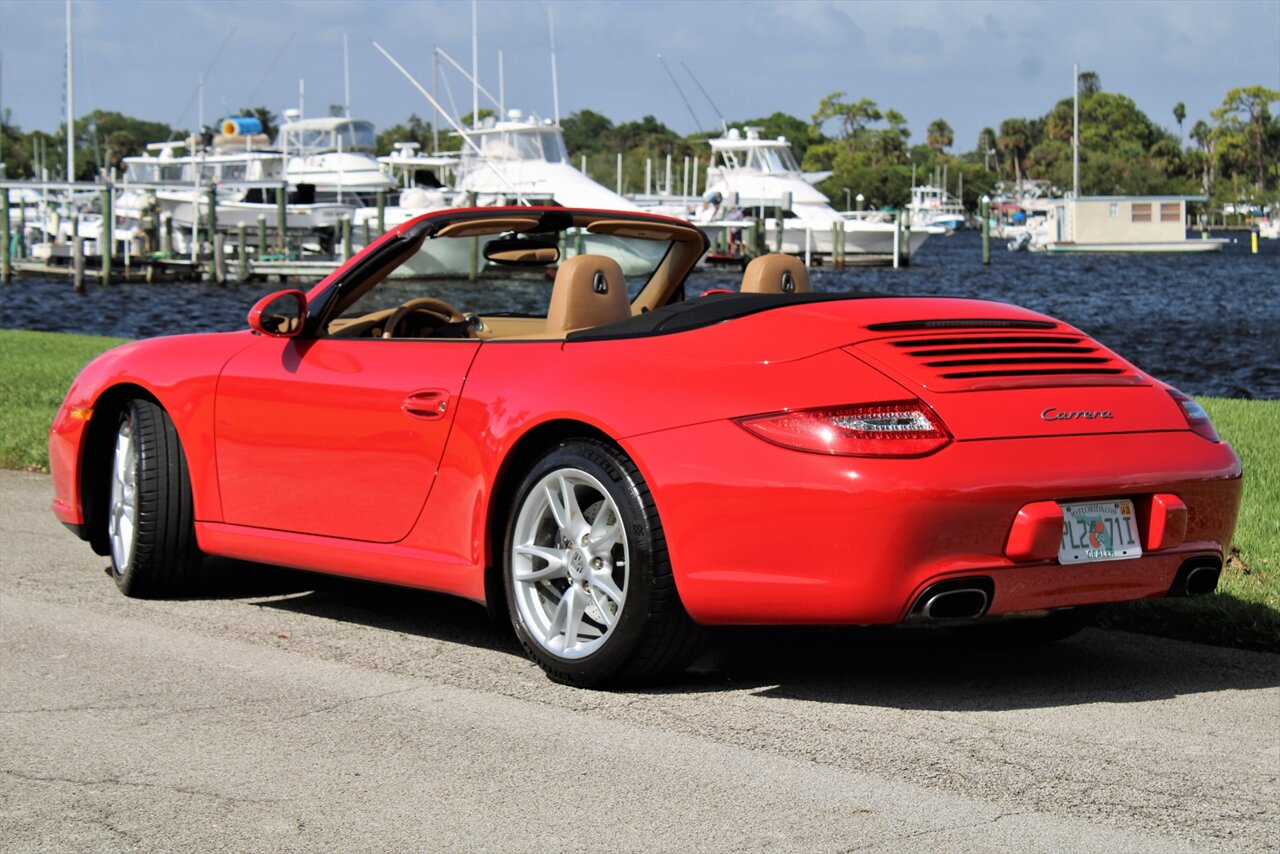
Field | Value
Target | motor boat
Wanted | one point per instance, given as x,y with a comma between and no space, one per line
752,176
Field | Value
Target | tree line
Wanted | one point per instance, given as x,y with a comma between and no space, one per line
1233,158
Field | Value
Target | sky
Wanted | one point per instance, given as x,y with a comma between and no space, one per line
973,63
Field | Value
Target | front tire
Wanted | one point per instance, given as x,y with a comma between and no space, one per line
588,580
150,520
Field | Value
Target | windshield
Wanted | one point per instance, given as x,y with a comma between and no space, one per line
441,268
773,160
356,136
347,136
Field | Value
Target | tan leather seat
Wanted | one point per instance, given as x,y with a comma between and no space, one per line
589,291
776,274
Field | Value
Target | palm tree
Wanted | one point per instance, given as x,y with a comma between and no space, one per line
1179,113
939,135
986,147
1015,136
1203,135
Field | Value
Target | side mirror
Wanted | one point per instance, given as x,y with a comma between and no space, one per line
280,315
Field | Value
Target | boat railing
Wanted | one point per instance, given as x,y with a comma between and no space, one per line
728,201
872,216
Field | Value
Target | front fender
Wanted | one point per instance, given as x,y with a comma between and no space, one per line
180,373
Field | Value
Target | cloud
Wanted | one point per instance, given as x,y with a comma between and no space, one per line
1031,67
914,41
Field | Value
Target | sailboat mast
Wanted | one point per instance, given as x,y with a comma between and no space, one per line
435,99
555,80
71,124
346,77
475,71
1075,132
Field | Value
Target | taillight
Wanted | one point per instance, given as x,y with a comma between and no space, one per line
898,429
1197,418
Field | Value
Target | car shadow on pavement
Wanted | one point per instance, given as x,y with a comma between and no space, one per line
930,669
919,668
378,606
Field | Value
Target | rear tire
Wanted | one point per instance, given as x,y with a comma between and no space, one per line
150,520
586,571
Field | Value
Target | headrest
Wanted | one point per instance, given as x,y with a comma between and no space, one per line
776,274
589,291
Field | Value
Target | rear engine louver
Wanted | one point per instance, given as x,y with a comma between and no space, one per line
964,356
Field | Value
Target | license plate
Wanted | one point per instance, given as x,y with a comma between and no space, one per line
1099,530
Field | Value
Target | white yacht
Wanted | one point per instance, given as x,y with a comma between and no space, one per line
333,155
761,175
523,156
519,159
174,178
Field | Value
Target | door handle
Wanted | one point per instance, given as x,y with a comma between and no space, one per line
428,404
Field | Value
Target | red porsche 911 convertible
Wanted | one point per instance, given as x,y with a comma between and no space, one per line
612,465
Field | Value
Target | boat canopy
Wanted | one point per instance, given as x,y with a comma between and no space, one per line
519,141
313,136
766,156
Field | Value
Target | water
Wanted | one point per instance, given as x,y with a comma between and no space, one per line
1208,324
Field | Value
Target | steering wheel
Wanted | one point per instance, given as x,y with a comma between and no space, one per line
434,308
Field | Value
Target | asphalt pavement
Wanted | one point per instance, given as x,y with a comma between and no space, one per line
286,711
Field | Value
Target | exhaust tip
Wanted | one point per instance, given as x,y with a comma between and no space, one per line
1197,577
954,599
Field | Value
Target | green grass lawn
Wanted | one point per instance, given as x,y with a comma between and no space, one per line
39,366
1246,610
38,369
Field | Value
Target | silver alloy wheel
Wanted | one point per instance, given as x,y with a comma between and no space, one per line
569,563
123,522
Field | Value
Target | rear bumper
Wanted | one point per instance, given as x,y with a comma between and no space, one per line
761,534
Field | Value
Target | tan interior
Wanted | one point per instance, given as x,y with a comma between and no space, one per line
645,230
776,274
478,227
589,291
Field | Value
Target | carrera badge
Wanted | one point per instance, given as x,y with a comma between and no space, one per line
1055,414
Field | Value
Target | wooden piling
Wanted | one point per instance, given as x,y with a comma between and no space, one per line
777,219
985,211
906,238
382,210
262,235
166,233
212,218
242,257
282,221
346,238
367,237
77,262
211,228
106,235
219,261
897,240
22,230
6,263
